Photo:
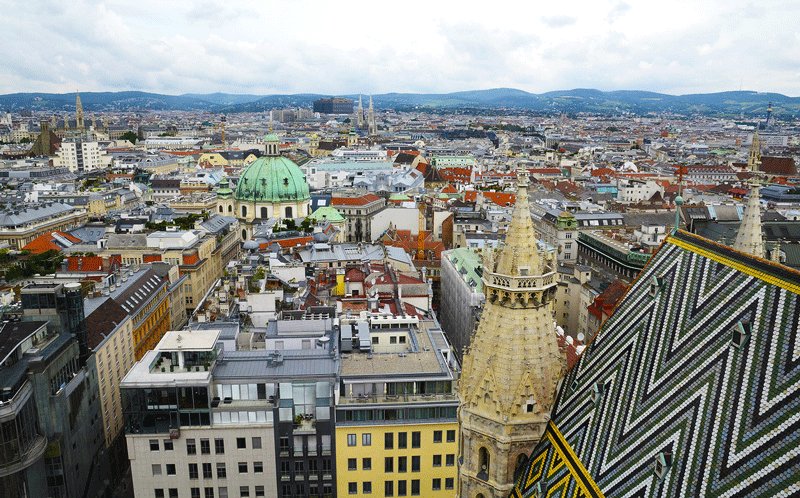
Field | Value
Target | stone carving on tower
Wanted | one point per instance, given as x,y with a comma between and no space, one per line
749,238
513,364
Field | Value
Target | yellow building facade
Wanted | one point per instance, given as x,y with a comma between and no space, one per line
407,459
396,418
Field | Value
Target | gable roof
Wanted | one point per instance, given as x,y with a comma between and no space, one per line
693,375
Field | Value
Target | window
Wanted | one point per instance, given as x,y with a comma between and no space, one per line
402,440
415,439
436,484
366,464
451,436
159,493
437,436
244,491
167,445
219,446
401,488
222,472
283,443
209,492
156,468
193,474
299,467
402,464
207,471
366,488
388,441
244,211
223,492
351,440
352,464
415,463
243,467
195,492
258,467
388,488
154,445
264,213
352,488
415,487
173,492
483,466
449,483
437,460
241,443
366,439
170,469
388,464
256,443
450,460
393,339
260,491
205,447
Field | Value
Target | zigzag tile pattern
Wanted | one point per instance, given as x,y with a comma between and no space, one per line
700,365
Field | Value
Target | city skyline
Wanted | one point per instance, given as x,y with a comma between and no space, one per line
280,48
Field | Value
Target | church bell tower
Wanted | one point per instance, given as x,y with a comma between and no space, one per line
513,364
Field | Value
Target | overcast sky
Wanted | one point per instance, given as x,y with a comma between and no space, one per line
263,47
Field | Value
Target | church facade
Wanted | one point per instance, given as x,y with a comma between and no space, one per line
272,186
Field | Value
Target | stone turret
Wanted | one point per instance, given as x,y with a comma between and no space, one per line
513,364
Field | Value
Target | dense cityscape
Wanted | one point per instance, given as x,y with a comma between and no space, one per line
348,299
304,249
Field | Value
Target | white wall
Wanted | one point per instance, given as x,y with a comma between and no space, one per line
400,218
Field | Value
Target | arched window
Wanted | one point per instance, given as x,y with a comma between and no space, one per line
289,212
244,234
264,213
483,464
244,211
220,209
479,495
230,208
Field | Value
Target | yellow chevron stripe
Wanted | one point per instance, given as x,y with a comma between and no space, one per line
573,462
770,279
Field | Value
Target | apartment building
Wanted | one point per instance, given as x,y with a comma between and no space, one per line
396,424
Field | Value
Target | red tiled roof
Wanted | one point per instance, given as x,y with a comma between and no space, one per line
84,263
47,242
778,165
500,198
294,241
354,201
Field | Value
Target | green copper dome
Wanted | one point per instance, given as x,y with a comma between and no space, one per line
272,179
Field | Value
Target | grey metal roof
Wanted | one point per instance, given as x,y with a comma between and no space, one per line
257,365
12,216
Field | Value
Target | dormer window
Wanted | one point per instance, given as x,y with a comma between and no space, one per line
740,334
663,463
656,285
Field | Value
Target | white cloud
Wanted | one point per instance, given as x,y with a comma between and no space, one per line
325,47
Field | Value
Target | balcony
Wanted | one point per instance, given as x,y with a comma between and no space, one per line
304,424
366,399
27,458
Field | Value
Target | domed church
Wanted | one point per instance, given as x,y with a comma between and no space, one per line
272,186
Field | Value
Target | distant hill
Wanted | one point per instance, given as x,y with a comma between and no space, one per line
569,101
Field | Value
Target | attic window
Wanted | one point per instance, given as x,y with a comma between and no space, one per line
663,463
574,385
656,285
598,390
740,333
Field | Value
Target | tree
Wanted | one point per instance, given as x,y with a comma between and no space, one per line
130,137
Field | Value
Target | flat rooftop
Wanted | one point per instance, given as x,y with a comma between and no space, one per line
195,340
426,361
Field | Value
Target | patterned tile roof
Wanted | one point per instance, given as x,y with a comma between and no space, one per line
691,388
